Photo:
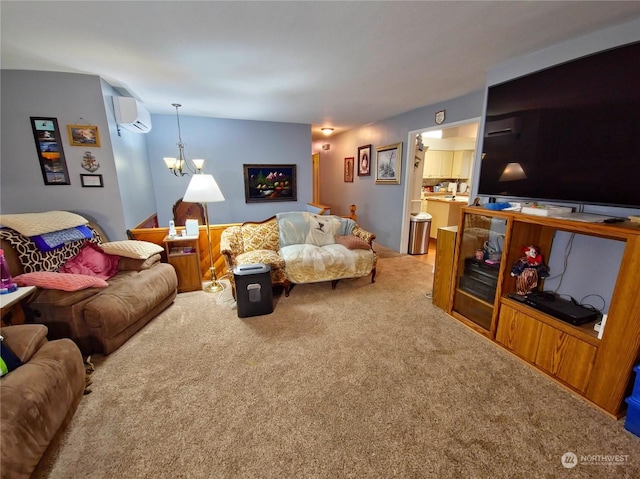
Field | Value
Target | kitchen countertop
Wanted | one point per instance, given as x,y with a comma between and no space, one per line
443,197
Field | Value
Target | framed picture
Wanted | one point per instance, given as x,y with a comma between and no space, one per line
91,181
348,169
364,160
83,135
388,162
50,153
267,183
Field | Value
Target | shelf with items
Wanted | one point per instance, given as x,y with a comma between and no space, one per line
478,269
597,369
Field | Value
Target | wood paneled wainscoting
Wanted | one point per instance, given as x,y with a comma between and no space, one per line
157,235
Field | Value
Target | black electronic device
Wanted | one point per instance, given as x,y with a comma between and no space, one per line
565,130
482,272
557,307
478,288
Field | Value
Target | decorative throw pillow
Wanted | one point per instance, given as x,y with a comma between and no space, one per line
132,248
8,360
352,242
92,261
322,230
60,281
56,239
32,259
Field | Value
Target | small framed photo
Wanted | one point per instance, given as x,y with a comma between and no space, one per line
364,160
50,153
388,162
91,181
348,169
83,135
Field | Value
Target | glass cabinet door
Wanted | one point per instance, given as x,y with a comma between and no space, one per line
480,254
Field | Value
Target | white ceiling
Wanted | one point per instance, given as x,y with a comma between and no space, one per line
339,64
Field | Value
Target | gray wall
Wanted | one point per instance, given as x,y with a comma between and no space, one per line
225,146
381,207
72,99
132,167
136,182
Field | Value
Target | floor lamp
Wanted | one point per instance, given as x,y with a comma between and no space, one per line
204,189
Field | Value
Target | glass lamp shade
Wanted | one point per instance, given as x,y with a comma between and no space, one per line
170,162
203,189
198,163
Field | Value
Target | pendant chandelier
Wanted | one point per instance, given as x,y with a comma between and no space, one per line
181,165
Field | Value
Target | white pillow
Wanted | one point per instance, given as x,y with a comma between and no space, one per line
131,248
322,230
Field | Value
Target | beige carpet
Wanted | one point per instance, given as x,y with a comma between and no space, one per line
369,380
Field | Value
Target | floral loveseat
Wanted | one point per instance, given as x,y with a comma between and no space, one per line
94,292
301,247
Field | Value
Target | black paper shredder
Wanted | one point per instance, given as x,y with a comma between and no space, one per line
254,294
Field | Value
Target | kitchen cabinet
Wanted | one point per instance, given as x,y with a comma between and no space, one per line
462,160
597,369
438,164
443,213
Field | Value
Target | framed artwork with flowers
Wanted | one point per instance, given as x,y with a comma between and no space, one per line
267,183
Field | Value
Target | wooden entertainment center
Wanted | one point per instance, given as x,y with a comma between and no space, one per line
599,370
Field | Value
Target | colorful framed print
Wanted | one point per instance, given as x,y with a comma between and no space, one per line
83,135
268,183
388,162
348,169
364,160
91,181
50,153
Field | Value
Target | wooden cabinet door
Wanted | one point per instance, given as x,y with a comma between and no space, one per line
446,164
445,247
432,164
519,333
565,357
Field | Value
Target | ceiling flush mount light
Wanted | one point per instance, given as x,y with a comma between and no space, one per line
181,165
327,131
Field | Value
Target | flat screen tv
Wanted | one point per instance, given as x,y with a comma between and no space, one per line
569,133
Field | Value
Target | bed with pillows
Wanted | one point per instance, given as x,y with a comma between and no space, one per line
96,292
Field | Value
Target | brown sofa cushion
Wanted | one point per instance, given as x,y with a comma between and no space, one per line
25,340
37,399
133,264
352,242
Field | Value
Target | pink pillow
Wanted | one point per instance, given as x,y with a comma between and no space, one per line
352,242
91,261
61,281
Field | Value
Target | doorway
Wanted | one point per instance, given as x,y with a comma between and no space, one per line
452,137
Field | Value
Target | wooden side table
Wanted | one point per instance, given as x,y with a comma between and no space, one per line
11,305
184,256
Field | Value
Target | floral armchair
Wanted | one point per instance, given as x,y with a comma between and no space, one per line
254,242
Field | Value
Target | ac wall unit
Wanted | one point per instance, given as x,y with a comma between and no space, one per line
505,126
131,115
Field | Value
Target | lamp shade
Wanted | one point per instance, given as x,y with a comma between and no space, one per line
512,172
203,189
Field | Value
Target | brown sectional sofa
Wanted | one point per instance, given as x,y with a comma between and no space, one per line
98,320
38,398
